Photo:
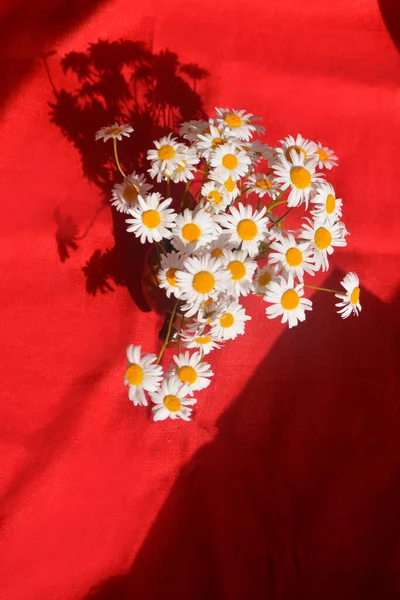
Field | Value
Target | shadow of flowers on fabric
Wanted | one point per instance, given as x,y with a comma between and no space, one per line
297,496
119,81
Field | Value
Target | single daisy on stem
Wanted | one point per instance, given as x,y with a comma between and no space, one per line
141,374
171,400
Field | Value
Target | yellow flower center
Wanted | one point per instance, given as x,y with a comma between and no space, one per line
180,168
300,177
217,142
230,162
226,320
290,300
216,253
237,269
263,184
171,277
166,152
229,185
233,120
130,192
264,279
203,282
203,339
322,155
298,152
215,197
191,232
113,131
134,374
330,204
322,238
247,229
294,257
172,403
187,374
355,295
151,219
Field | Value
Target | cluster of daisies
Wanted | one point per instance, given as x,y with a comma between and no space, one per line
227,241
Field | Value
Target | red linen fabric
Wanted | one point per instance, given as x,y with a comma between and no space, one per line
285,485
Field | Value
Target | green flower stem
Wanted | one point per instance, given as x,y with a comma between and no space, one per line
281,218
321,289
168,332
120,169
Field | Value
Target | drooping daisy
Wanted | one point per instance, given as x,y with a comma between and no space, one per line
287,301
114,131
323,237
300,145
190,130
263,278
216,197
327,206
202,279
185,171
192,371
141,374
298,175
241,269
208,141
152,220
202,341
172,401
230,161
231,323
262,184
171,263
292,257
125,194
326,157
246,227
193,230
167,156
350,301
239,123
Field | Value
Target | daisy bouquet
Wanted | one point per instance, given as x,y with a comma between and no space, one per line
223,237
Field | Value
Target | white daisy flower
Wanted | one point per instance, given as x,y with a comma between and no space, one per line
152,220
277,230
239,123
350,301
298,175
171,263
190,130
216,196
217,246
141,374
327,206
259,151
241,269
292,257
208,141
171,401
323,238
124,195
246,227
204,342
300,145
228,184
203,279
261,185
231,323
192,371
326,157
193,230
229,161
263,278
185,171
287,301
166,157
114,131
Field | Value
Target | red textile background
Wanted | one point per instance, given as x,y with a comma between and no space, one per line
286,484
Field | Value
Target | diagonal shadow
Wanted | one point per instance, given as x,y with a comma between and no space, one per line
124,81
390,10
297,496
